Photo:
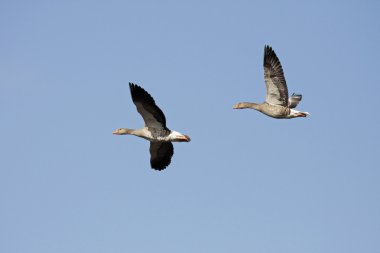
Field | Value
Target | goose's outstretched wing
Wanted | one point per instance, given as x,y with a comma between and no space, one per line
151,113
160,154
277,91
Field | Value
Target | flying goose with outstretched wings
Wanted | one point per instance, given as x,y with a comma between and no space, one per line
277,103
155,130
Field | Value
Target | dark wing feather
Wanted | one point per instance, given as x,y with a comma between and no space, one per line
277,91
151,113
294,100
160,154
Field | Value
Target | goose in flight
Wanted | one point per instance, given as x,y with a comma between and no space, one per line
155,130
277,103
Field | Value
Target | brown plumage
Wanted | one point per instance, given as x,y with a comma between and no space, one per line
277,102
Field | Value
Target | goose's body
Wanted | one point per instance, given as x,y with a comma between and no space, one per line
277,103
155,130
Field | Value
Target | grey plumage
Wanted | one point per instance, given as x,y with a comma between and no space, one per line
155,121
155,130
146,106
158,132
277,102
294,100
277,91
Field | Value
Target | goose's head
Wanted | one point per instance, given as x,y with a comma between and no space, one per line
122,131
178,137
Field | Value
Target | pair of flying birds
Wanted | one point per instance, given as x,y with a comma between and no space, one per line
277,105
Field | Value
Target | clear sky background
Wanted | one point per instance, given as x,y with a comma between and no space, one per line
245,183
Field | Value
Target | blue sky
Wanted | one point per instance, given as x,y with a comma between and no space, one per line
245,183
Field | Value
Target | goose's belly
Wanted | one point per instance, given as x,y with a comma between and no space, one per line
155,134
276,111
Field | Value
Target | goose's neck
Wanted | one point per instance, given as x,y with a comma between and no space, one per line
128,131
124,131
245,105
141,132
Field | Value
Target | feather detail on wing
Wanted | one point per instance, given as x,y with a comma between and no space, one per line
160,154
151,113
277,91
294,100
